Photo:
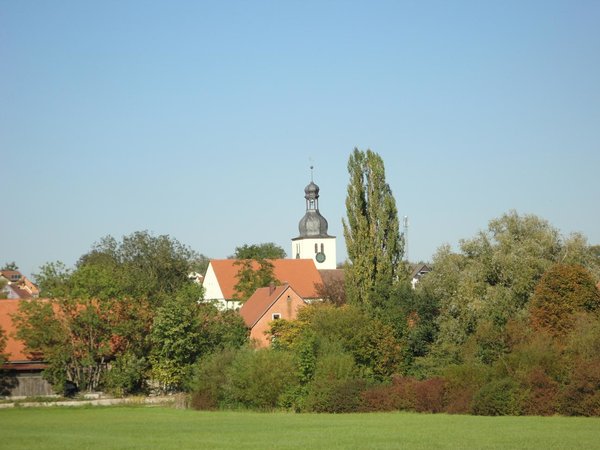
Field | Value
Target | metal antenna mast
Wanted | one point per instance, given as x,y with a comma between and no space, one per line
405,223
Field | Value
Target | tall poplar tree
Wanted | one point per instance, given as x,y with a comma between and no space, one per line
373,240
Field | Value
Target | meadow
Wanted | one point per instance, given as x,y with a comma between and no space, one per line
166,428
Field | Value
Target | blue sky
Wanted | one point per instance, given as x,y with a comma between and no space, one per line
200,119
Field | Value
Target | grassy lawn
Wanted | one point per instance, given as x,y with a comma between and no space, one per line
165,428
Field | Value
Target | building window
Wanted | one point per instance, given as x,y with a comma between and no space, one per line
322,248
276,316
316,248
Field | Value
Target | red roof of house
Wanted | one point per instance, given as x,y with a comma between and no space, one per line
15,349
259,303
11,275
300,274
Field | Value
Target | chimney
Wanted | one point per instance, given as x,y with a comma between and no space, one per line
271,288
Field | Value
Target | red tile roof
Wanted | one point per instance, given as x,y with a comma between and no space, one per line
10,274
15,349
262,299
300,274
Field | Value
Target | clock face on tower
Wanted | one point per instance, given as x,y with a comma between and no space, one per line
320,257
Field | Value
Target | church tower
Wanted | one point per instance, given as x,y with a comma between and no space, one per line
314,242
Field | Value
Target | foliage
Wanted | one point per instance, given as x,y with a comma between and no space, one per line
220,329
73,336
250,279
336,385
406,394
463,381
175,339
259,378
3,339
141,266
499,397
53,280
371,342
373,240
209,381
563,291
332,290
127,374
488,283
267,250
10,266
580,393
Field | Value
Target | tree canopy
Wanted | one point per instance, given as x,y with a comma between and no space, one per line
562,292
267,250
139,266
125,318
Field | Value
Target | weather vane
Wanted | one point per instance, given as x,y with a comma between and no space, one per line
311,168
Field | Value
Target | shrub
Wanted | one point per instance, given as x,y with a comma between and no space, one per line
461,384
380,398
429,395
336,386
581,397
208,386
541,398
406,394
499,397
259,378
126,375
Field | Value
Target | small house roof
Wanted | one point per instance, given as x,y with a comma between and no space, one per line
260,302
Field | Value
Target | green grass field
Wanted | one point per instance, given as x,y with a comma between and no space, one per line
166,428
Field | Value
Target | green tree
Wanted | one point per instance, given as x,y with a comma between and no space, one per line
53,280
140,266
371,342
267,250
220,329
252,274
490,280
145,266
10,266
175,339
74,337
373,240
3,339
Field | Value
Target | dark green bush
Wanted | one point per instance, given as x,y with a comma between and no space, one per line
258,379
208,386
127,375
499,397
336,386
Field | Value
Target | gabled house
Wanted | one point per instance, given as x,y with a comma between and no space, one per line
222,276
419,271
18,285
266,305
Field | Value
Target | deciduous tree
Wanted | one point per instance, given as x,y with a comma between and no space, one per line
563,291
73,336
267,250
373,240
250,278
